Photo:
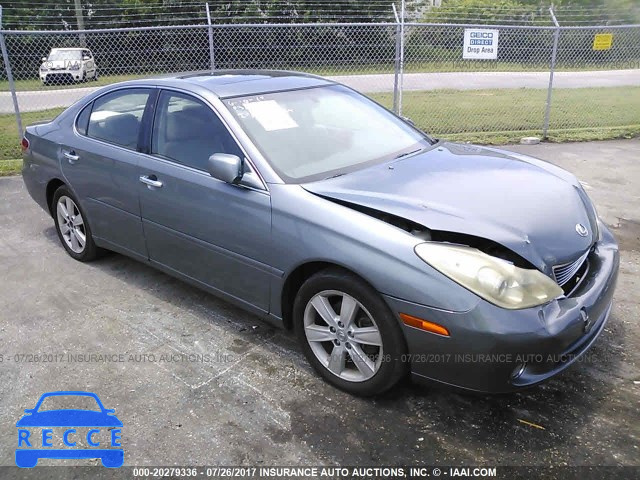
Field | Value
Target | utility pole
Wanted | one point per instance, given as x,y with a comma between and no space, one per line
80,20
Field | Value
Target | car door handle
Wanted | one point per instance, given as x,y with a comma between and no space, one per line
71,157
151,182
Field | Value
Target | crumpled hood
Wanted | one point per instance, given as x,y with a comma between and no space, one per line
525,204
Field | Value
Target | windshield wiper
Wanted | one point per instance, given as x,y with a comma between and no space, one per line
334,176
405,154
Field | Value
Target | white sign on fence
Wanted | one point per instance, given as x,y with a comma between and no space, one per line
480,44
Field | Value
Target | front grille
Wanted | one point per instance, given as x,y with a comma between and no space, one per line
564,273
58,78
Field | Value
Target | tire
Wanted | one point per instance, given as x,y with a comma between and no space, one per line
95,76
367,369
71,238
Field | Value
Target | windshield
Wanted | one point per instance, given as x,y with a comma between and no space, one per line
321,132
65,55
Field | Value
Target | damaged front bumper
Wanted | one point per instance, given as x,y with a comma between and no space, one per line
491,349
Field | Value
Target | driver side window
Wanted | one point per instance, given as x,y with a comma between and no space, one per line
189,132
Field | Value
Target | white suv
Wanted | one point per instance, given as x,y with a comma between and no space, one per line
68,64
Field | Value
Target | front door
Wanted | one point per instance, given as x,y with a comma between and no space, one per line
211,232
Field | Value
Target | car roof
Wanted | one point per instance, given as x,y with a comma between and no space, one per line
232,83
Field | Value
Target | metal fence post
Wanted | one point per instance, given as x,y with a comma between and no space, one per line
396,66
212,59
401,79
12,85
552,67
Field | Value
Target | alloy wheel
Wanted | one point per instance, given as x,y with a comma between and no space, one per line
343,335
71,224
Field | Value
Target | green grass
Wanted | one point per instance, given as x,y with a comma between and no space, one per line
480,116
9,139
506,115
10,167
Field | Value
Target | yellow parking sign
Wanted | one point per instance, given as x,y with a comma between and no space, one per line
602,41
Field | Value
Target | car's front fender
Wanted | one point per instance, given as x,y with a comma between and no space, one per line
308,228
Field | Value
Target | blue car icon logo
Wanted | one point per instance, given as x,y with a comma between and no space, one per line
69,433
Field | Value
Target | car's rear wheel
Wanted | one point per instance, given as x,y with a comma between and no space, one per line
72,226
348,333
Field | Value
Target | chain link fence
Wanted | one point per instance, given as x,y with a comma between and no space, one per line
417,69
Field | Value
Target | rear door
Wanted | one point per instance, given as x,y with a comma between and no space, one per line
213,233
100,162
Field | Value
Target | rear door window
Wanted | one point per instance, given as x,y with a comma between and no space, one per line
116,117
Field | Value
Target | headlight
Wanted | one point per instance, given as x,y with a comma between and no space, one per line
491,278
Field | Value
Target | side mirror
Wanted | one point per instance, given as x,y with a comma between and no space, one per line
225,167
29,410
85,58
44,59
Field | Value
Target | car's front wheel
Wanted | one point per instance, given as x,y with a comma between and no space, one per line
72,226
348,333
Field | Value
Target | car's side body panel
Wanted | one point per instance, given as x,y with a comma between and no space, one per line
104,179
310,228
40,162
207,229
